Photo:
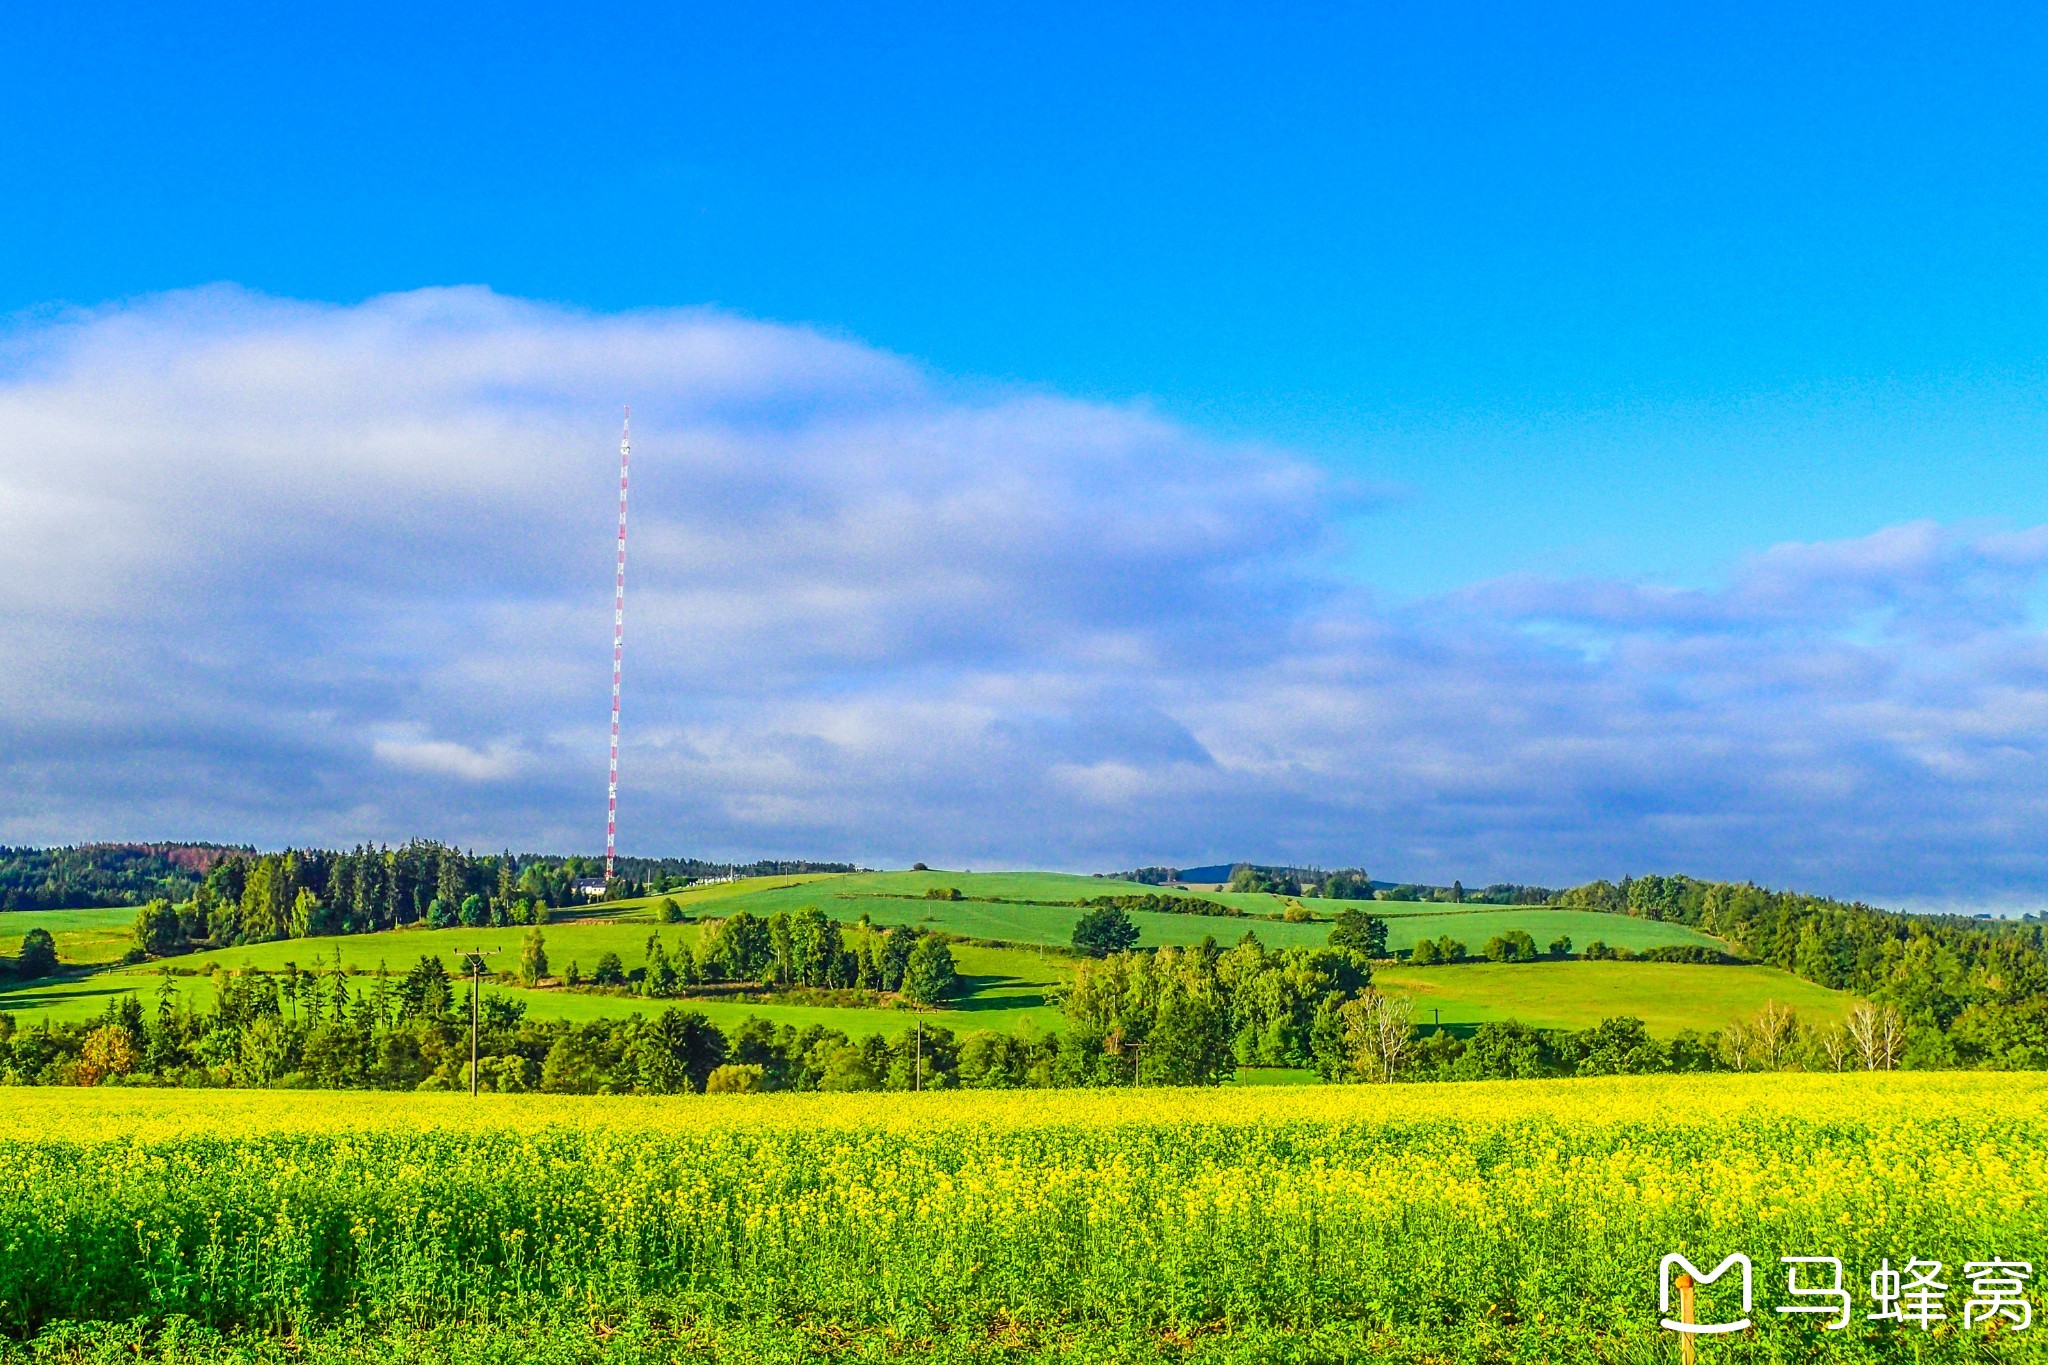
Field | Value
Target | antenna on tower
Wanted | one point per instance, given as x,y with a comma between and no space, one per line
611,807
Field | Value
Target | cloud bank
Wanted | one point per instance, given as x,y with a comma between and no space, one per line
286,572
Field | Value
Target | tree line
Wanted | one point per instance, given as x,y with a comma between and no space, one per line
103,874
801,949
363,886
1175,1016
1178,1016
1967,992
257,898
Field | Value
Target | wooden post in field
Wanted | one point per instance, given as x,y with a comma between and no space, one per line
1685,1316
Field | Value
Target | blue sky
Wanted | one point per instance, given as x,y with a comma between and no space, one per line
1556,344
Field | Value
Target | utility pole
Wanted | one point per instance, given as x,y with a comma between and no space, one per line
1137,1055
476,958
917,1067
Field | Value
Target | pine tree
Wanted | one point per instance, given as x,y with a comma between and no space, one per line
533,958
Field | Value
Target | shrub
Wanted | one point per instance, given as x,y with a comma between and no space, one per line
1513,946
733,1079
1507,1050
944,893
1619,1046
668,912
1685,952
1162,904
1444,949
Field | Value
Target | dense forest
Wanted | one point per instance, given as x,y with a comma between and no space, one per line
104,874
131,874
233,896
1969,991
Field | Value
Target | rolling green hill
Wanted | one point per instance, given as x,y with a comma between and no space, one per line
1026,913
1004,987
897,898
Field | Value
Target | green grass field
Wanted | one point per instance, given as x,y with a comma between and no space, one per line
1668,996
896,898
1006,985
1474,927
83,936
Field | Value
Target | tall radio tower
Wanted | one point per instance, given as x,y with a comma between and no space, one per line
611,805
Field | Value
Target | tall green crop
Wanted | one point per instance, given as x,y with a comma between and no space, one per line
1527,1219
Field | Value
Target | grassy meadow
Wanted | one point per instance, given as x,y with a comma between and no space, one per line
1012,953
93,937
1517,1221
1667,996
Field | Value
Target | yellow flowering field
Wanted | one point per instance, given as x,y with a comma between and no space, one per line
1507,1221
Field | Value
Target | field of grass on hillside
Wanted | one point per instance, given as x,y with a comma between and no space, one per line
1005,986
83,936
1667,996
897,898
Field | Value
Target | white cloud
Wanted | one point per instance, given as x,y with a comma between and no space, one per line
282,571
445,758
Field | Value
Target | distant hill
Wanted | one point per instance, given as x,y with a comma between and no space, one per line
104,874
1212,874
1219,872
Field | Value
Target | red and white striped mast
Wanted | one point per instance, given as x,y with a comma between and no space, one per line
611,808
